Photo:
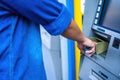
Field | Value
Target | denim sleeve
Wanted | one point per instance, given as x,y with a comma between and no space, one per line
50,13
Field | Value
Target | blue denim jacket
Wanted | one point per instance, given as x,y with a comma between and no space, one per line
20,41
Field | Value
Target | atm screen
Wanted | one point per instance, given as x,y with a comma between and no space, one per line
110,16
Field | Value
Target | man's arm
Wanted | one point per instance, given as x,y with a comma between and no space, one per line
74,33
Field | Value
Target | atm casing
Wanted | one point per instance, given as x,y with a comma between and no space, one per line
105,66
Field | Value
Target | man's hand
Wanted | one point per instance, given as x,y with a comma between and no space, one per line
89,44
73,32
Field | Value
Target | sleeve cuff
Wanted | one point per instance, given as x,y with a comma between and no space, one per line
60,24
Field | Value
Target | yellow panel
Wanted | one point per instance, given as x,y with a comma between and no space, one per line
78,20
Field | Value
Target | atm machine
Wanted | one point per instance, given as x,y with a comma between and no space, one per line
102,20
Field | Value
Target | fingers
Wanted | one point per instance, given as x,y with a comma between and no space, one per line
90,52
81,48
83,51
87,43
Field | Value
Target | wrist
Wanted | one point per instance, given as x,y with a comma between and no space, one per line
82,39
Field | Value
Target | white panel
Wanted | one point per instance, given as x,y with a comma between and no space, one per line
51,55
46,38
64,53
82,6
62,1
64,57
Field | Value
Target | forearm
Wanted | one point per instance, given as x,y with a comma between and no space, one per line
73,32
